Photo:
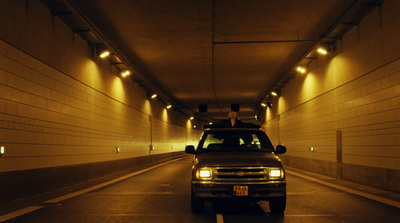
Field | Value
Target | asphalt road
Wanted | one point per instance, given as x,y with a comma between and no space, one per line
162,194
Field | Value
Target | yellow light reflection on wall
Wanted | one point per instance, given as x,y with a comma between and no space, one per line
118,91
189,132
268,114
165,115
189,124
309,87
281,105
91,74
341,70
147,107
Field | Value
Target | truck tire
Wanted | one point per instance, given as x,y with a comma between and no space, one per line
196,204
277,205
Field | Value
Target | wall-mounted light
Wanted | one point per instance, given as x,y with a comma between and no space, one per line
104,54
210,123
117,150
2,150
301,69
322,50
125,73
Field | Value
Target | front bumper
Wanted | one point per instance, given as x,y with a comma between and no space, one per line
256,190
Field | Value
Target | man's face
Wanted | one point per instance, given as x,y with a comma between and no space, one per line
232,115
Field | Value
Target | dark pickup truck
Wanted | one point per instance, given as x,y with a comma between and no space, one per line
237,164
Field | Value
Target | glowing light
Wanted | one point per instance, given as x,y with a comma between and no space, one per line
165,117
310,87
263,104
125,73
169,106
147,107
104,54
191,118
322,51
118,91
153,96
203,174
2,150
276,173
274,93
301,69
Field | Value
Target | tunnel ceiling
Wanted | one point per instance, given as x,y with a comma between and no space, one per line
218,52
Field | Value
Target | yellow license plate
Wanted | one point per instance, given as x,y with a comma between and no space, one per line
240,190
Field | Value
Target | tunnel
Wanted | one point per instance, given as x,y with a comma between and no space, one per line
68,116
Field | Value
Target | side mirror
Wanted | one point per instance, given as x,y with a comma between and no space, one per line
190,149
280,149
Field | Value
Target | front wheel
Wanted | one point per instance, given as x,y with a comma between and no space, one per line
277,204
197,204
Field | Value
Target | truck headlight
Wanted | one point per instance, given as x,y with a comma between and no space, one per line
276,173
204,174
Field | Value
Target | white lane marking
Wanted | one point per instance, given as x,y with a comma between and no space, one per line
77,193
220,219
29,209
349,190
19,213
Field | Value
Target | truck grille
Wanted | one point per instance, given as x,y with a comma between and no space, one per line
241,173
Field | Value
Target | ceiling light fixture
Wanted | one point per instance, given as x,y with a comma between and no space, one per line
169,106
153,96
104,54
322,50
191,118
263,105
125,73
301,69
273,93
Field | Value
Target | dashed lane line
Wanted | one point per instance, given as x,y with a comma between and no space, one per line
19,213
220,219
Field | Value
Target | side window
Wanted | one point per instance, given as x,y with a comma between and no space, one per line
256,141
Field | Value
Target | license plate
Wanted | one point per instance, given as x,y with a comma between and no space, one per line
240,190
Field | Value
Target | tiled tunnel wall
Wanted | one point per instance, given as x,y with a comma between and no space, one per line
342,119
64,112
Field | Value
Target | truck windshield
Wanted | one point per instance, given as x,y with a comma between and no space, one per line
235,141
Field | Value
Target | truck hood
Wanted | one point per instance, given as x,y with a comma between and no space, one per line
236,159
